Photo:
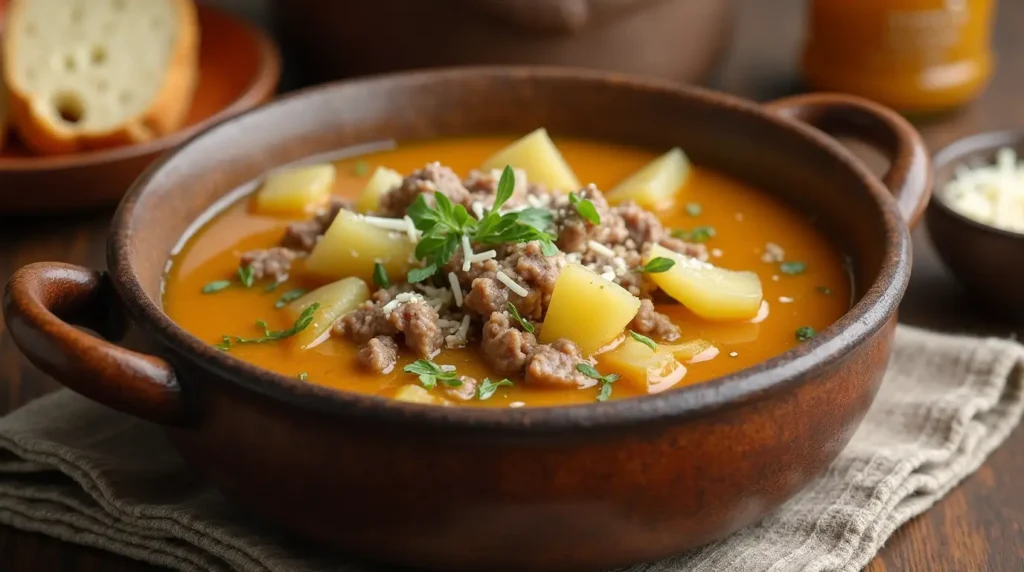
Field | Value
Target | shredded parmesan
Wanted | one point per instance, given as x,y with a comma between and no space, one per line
486,255
990,194
785,299
517,404
447,367
507,281
458,338
467,253
478,209
400,299
716,252
386,223
773,253
456,288
410,229
600,248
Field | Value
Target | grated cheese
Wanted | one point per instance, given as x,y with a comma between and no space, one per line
508,281
785,300
467,253
459,339
600,248
401,299
386,223
773,253
456,288
446,367
478,209
990,194
517,404
410,229
486,255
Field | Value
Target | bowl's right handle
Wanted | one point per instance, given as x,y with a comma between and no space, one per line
910,173
44,302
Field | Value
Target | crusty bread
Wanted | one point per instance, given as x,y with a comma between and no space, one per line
88,74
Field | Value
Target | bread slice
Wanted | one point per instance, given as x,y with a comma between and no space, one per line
88,74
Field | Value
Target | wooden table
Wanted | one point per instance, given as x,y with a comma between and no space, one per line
978,526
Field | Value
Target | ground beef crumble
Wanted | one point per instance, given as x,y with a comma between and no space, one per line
650,322
379,354
273,263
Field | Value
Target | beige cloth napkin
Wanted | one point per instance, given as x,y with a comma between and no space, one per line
80,472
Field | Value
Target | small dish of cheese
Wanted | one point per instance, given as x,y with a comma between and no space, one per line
991,194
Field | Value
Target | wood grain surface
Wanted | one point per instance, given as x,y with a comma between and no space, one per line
979,526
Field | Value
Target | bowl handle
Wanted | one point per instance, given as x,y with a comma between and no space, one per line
44,302
909,176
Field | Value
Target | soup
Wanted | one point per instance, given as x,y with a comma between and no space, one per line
673,276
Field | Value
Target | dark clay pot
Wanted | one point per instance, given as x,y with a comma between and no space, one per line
580,487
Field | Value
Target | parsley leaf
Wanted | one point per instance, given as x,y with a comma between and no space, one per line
430,373
585,208
380,276
246,275
360,168
606,380
804,333
605,393
539,219
548,248
527,326
824,290
506,186
793,268
216,286
656,265
420,274
487,388
644,340
694,209
288,297
698,234
273,285
301,323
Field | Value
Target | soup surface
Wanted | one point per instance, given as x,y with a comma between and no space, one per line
803,281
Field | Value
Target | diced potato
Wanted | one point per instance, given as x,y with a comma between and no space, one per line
693,351
382,181
587,309
336,299
417,394
352,245
295,191
536,154
711,292
638,365
656,183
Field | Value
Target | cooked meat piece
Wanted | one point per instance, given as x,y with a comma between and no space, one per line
652,323
365,323
379,354
272,263
574,231
486,295
524,263
643,226
418,324
694,249
463,392
505,348
554,365
433,177
303,235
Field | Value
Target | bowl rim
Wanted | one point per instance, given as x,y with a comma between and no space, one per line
263,83
871,313
954,152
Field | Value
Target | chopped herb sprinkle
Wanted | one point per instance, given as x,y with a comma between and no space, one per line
656,265
824,290
804,333
216,286
360,168
698,234
694,209
430,373
644,340
380,276
487,388
301,323
792,268
527,326
246,276
288,297
606,380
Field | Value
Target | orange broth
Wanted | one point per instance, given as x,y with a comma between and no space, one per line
744,219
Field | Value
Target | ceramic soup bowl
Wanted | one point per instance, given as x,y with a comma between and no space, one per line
575,487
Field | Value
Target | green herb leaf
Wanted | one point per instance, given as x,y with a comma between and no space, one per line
301,323
585,208
527,326
793,268
303,376
587,370
288,297
430,373
380,276
216,286
548,248
246,275
360,168
656,265
698,234
644,340
694,209
421,274
605,392
824,290
506,186
606,380
487,388
539,219
804,333
273,286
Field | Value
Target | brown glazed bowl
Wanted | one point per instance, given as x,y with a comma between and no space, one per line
558,488
988,261
680,40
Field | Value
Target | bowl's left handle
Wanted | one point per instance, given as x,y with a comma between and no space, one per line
44,302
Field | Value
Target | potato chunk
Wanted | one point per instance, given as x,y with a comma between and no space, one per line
295,191
711,292
336,299
536,154
656,183
382,181
693,351
416,394
648,370
587,309
352,245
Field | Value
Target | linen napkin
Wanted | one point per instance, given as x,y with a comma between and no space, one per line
80,472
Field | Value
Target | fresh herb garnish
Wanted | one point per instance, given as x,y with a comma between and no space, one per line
303,376
824,290
380,276
487,388
606,380
539,219
246,275
793,268
804,333
585,208
216,286
288,297
698,234
420,274
273,286
644,340
301,323
360,168
656,265
430,373
694,209
527,326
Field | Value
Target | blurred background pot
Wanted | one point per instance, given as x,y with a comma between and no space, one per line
674,39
